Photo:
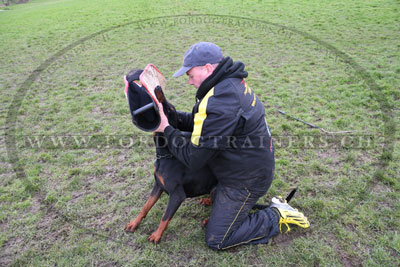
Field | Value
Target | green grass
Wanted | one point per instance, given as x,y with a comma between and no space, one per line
69,206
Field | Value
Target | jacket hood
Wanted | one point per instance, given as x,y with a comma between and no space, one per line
226,69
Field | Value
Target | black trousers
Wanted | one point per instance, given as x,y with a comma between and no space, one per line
230,223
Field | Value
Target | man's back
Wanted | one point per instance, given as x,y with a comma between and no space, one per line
230,118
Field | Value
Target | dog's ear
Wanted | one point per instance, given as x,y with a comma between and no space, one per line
169,109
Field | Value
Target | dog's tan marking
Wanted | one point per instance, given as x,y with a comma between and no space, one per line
206,201
160,178
156,236
204,222
131,226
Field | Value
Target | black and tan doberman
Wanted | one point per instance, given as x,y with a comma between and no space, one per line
172,177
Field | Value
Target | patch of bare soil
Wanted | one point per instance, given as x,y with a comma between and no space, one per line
286,239
52,229
43,238
346,259
9,251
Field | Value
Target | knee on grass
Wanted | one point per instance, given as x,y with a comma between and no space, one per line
213,242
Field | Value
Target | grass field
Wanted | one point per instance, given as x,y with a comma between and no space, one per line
74,170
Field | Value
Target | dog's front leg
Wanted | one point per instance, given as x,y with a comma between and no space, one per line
154,196
175,200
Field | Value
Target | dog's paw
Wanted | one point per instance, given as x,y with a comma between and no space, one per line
131,227
205,201
204,222
155,237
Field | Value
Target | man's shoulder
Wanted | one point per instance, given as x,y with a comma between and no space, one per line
230,86
223,98
230,82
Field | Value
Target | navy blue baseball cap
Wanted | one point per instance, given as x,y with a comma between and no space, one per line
200,54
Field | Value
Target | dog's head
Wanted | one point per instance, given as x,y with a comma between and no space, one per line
138,97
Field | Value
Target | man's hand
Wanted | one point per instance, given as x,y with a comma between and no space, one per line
164,120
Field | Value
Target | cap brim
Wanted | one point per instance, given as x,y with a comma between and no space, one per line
181,71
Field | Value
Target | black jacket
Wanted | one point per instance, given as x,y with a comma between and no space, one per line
229,130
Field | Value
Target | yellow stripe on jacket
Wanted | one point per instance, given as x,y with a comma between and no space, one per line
200,117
